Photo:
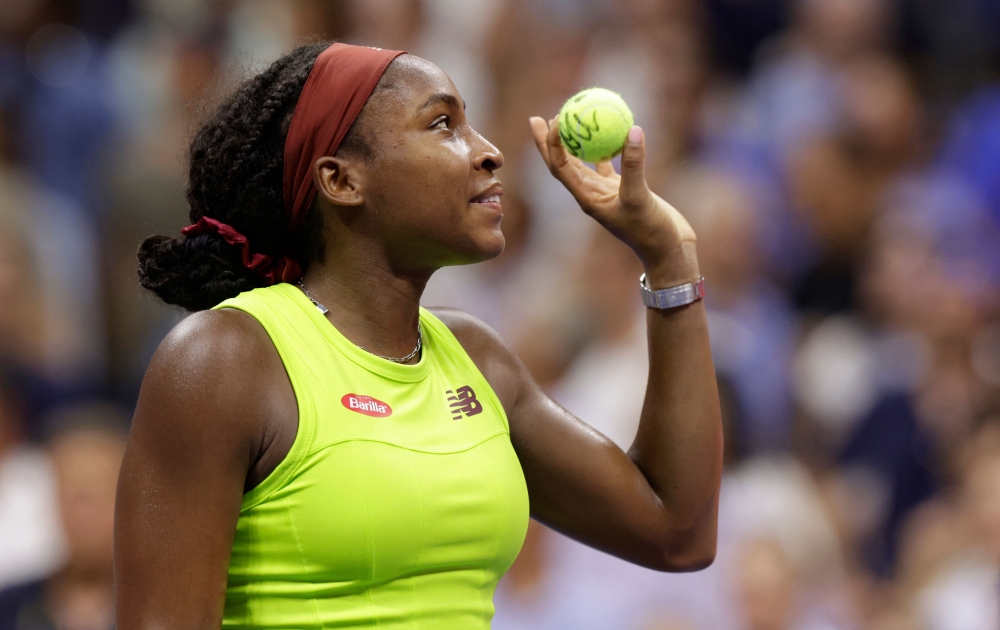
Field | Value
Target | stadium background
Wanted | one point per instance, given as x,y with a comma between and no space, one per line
839,160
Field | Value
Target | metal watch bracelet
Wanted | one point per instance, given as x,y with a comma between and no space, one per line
674,296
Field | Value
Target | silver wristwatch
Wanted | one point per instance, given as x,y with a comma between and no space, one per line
672,297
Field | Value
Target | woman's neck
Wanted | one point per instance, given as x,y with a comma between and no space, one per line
372,305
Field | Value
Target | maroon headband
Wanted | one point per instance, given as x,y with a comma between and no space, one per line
338,86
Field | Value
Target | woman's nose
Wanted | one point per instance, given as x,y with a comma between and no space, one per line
488,158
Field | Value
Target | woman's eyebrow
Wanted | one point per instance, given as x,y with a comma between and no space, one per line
441,97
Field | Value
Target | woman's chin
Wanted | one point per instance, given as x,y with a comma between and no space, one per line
494,247
485,248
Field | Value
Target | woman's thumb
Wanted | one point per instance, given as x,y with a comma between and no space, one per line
633,191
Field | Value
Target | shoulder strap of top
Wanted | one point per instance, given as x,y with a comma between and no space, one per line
450,346
293,335
291,331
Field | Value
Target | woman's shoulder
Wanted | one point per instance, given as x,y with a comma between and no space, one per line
476,337
215,371
212,339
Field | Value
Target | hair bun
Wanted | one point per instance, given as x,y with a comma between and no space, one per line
235,177
194,273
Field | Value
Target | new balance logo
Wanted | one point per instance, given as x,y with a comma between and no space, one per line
463,402
366,405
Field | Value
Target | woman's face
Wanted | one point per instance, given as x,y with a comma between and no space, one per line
429,190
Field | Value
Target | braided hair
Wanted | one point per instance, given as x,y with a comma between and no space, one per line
235,176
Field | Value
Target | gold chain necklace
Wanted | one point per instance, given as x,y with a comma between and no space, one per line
324,310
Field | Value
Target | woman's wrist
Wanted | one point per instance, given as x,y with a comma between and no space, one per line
672,268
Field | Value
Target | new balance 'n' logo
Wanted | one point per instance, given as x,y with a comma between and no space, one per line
463,402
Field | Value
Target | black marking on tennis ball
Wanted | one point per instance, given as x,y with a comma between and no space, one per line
572,144
573,134
591,129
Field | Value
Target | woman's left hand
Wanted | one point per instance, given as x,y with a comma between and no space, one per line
623,204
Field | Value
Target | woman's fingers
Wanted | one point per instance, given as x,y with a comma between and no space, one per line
540,131
614,200
546,136
633,191
558,156
587,185
606,169
565,168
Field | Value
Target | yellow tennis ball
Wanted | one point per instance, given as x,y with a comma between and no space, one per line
594,124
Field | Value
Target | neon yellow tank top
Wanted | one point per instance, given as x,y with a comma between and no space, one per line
401,502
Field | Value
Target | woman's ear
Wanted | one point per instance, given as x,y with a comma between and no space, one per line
338,181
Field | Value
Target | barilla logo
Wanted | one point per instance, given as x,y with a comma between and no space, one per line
366,405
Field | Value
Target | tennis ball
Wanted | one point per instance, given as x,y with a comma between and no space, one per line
594,124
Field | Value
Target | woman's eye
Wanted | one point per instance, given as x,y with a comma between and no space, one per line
441,123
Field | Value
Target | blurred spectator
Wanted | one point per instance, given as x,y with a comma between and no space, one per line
86,447
910,379
536,57
22,336
636,49
31,543
767,584
838,179
954,44
44,342
387,23
56,82
455,34
55,122
739,27
795,91
606,383
782,549
972,146
959,590
751,323
51,241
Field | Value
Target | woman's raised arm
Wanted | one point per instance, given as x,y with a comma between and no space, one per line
656,505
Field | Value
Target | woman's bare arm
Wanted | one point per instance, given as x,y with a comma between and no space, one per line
212,414
656,505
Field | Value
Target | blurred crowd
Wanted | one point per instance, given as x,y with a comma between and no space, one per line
838,159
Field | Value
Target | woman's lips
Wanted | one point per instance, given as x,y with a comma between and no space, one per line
492,202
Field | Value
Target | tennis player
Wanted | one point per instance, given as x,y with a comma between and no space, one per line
311,448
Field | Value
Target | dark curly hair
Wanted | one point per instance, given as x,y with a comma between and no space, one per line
235,176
